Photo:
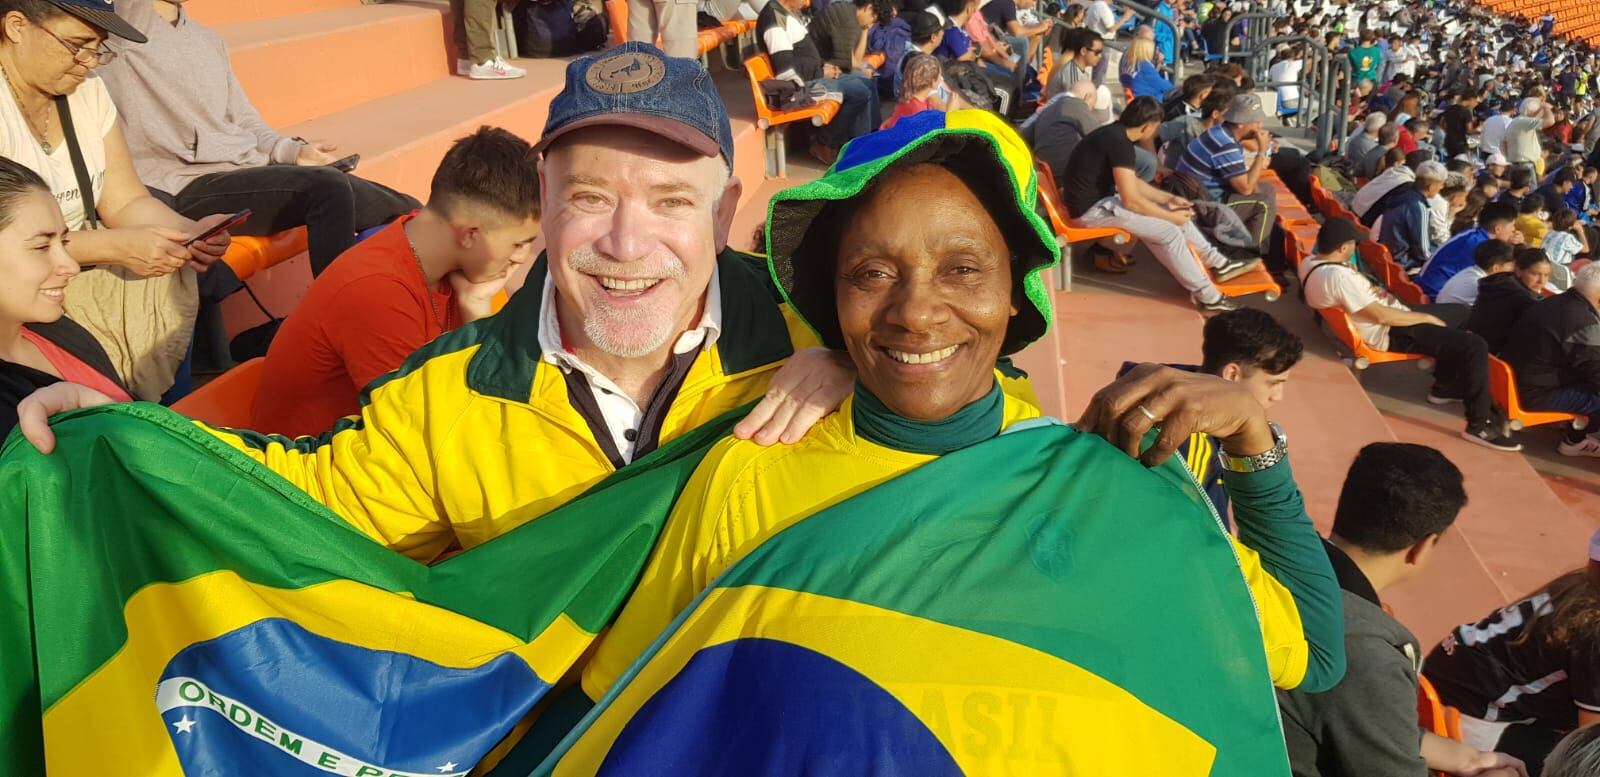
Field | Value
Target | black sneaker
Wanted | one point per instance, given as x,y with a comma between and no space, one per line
1440,397
1221,305
1490,436
1234,268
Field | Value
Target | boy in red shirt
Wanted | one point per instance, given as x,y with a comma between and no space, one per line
425,274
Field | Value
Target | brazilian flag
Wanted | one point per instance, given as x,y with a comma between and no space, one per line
168,606
1037,604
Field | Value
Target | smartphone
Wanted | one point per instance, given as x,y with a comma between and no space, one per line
233,221
346,165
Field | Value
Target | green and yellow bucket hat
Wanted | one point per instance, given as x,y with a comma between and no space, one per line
804,223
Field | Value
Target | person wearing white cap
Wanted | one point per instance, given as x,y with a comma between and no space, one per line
1529,673
1522,135
1494,175
1365,138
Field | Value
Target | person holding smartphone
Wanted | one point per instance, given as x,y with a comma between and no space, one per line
138,296
181,85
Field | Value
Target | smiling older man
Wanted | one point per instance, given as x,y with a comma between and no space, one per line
638,326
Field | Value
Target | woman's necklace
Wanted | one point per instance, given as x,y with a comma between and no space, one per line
43,136
432,305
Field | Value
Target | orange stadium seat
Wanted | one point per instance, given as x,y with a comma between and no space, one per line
1049,194
226,400
876,59
1376,257
1433,715
1292,251
1362,355
770,121
247,256
1503,387
1257,281
617,15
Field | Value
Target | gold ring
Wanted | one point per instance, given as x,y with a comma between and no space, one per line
1147,413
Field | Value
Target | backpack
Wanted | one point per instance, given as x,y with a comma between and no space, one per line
975,86
551,28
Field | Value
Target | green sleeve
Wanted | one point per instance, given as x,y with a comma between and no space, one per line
1272,521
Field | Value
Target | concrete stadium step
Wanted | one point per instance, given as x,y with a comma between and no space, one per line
218,12
296,68
401,139
1520,527
1489,559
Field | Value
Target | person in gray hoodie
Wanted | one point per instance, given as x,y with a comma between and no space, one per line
1398,500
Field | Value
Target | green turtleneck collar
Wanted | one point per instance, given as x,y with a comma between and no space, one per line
978,421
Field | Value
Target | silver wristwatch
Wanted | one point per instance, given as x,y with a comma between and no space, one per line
1264,460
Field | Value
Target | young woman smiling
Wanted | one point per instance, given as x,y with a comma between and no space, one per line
38,346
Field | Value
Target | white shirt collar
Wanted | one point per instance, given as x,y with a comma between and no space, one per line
621,414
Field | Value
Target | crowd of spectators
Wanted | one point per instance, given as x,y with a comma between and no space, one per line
1473,166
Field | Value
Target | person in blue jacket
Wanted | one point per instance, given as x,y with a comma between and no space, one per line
1497,221
1403,225
1139,72
891,35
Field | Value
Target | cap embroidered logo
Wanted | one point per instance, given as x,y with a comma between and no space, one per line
625,73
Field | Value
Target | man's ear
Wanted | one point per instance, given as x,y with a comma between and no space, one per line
1420,550
726,205
1231,372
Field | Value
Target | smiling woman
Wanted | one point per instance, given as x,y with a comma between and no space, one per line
38,346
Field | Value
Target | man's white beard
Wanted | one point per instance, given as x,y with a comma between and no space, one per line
634,330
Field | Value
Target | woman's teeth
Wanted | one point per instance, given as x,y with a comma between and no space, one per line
922,358
55,294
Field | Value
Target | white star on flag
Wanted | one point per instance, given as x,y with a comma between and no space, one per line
184,725
447,767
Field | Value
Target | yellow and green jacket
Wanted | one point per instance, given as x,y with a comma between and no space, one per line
474,435
742,494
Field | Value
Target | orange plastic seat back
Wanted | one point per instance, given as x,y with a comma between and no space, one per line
1430,711
617,15
228,399
248,255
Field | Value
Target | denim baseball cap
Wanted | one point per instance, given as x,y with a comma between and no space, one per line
637,85
101,14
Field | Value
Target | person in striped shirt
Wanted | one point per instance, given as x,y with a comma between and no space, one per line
1218,162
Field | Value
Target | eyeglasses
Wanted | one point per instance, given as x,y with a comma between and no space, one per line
83,55
1100,50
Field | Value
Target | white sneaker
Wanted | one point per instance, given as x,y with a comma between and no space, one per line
1588,446
463,66
496,69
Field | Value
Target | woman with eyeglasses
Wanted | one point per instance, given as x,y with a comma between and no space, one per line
138,294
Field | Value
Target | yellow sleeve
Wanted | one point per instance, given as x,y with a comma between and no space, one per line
376,470
800,333
1288,652
691,551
